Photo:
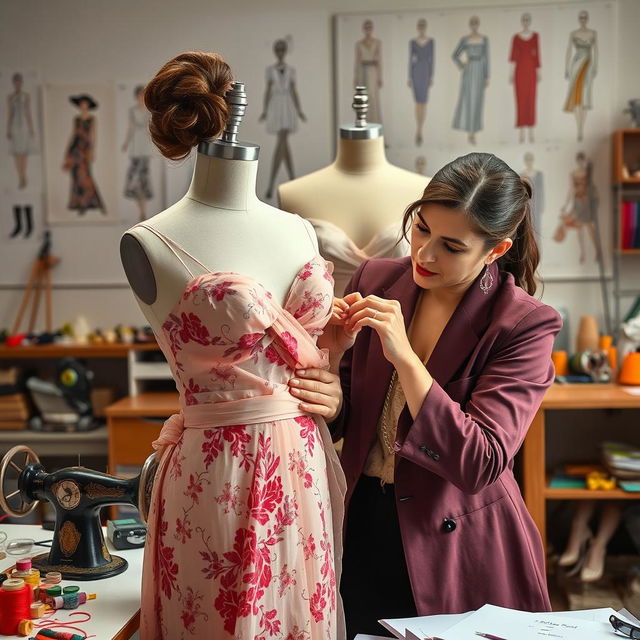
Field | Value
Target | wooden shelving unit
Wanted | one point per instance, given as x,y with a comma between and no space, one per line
74,351
626,154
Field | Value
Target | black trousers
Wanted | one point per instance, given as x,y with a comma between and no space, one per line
375,582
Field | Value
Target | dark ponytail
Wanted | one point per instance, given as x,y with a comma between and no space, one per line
498,202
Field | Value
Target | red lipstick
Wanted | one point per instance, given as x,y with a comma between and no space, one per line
424,272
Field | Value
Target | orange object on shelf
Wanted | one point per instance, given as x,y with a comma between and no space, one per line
560,362
630,370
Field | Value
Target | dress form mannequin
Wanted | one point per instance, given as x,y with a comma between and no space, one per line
221,222
585,552
356,203
236,293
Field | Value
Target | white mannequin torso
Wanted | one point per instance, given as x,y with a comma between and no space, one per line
222,224
361,192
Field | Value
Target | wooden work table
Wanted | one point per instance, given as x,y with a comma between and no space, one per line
562,397
136,421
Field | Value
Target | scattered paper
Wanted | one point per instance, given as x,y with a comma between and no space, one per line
423,627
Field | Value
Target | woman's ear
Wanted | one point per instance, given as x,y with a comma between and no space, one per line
499,250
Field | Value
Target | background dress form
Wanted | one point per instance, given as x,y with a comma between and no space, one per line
525,53
281,111
580,75
421,69
368,75
475,73
20,137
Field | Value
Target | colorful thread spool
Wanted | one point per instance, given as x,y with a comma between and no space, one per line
25,627
72,588
72,600
15,603
53,577
58,635
37,610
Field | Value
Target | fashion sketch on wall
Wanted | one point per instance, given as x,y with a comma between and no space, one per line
535,177
80,154
472,57
368,69
20,128
525,59
281,111
139,163
421,59
581,66
580,209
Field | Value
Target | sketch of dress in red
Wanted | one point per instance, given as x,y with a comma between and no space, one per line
525,56
79,158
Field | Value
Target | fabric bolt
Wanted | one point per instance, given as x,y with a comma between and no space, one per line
336,246
281,111
244,537
475,73
525,53
421,68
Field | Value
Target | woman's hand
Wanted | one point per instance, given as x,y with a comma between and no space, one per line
337,338
319,392
385,318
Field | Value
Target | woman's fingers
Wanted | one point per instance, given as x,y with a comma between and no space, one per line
315,374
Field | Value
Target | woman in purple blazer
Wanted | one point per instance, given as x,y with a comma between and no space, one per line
450,364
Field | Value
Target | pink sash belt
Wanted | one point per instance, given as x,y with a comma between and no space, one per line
253,410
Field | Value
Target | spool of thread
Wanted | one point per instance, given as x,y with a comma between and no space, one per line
72,588
53,577
612,352
58,635
47,594
605,342
15,603
32,578
588,334
37,610
25,627
72,600
23,565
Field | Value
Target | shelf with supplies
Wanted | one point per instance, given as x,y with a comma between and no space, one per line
626,210
118,350
560,397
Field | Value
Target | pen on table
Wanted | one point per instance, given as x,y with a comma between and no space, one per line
489,636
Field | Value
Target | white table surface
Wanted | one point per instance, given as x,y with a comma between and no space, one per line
117,598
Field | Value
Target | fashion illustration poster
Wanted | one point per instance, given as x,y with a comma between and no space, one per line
139,163
80,154
21,171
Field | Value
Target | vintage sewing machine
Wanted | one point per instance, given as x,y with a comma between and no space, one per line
78,550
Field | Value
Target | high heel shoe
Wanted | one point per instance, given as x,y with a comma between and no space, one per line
590,573
573,562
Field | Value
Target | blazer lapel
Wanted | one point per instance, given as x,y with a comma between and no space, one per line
462,332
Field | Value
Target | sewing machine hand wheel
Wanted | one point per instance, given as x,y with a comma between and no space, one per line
9,463
147,476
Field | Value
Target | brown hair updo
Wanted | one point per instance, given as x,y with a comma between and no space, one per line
186,101
498,203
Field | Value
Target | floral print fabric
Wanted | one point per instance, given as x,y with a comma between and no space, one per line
245,525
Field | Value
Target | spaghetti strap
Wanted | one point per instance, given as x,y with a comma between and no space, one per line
173,245
312,237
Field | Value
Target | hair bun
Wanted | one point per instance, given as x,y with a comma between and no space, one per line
528,187
186,101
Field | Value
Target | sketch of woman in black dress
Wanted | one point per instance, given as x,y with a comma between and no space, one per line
80,155
368,70
421,53
281,111
20,132
580,70
138,144
474,81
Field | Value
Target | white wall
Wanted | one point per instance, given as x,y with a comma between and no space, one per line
106,42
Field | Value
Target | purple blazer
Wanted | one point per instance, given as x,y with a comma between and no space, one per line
467,535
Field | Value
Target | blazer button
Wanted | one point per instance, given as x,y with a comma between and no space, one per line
449,525
435,456
404,498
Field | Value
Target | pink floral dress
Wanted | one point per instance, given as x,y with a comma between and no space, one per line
244,537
